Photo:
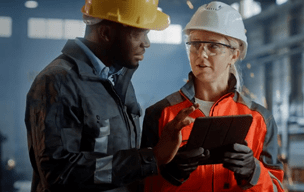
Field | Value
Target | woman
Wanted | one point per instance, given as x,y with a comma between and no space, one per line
216,41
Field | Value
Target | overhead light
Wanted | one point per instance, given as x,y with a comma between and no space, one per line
189,4
31,4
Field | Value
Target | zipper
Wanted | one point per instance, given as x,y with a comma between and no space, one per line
220,99
213,178
123,111
119,102
211,114
227,184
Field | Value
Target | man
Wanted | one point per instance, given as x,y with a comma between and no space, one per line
82,116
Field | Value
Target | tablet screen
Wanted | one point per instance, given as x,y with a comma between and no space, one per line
214,132
217,133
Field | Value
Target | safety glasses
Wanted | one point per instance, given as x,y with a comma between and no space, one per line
210,48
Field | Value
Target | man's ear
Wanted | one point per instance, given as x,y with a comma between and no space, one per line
105,32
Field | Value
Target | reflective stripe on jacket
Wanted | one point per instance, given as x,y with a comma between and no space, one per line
261,138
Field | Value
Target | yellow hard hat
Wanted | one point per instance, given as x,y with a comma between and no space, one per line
135,13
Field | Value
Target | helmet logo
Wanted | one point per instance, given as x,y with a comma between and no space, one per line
213,8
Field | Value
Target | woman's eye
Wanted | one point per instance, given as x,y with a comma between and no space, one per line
196,45
214,46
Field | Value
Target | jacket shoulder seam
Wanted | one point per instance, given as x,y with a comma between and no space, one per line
174,98
253,106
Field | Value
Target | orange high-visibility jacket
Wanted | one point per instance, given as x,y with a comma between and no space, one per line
261,138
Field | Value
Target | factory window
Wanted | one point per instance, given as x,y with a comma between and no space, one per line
251,8
74,28
248,8
236,6
279,2
41,28
171,35
6,26
54,28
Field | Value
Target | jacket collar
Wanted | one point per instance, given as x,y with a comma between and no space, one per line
87,71
82,61
189,91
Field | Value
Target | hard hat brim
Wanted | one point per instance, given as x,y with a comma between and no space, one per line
161,21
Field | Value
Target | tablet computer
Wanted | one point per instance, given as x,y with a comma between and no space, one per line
214,133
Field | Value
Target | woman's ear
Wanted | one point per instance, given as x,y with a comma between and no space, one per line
235,56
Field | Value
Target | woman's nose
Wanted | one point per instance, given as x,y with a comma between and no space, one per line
202,52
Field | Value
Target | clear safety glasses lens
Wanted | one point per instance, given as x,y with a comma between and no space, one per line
210,48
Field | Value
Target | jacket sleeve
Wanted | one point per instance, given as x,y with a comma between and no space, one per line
150,135
55,133
268,175
152,121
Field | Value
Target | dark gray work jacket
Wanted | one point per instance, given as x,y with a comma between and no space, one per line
83,132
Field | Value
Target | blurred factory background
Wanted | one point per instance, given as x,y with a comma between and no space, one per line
32,34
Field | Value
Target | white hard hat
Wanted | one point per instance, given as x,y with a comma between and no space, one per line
219,18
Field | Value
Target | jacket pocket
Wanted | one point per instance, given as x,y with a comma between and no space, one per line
71,138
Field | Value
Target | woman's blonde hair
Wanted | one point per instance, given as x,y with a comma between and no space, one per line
234,68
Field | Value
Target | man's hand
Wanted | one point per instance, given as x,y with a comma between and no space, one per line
171,136
183,164
239,159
